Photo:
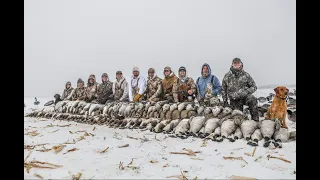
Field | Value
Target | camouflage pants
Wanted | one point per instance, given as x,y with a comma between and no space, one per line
250,101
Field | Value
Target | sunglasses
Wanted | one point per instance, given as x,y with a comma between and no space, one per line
166,70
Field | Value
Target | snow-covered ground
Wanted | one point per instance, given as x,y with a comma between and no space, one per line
149,153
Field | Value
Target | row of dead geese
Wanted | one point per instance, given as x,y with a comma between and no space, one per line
176,119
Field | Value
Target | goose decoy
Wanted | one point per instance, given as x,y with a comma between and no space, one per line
36,102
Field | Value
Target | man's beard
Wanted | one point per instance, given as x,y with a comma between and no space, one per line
205,74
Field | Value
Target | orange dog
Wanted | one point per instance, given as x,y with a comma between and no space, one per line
278,108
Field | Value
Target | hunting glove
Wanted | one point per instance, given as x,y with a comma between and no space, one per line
242,93
137,97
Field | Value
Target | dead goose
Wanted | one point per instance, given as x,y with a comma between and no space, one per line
262,99
124,123
182,106
247,128
86,107
216,110
291,115
263,109
127,111
169,127
196,123
122,109
268,127
238,134
159,127
200,110
228,127
225,112
216,134
144,123
282,135
181,129
173,107
191,107
255,138
210,125
137,123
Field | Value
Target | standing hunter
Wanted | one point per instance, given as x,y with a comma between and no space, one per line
154,86
92,86
208,87
67,92
120,88
184,87
80,93
167,83
137,86
104,90
238,86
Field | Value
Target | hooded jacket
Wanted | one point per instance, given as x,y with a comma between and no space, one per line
203,82
92,88
237,84
67,93
154,87
120,89
79,93
137,86
104,90
180,87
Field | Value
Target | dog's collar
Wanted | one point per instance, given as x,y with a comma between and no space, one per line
282,98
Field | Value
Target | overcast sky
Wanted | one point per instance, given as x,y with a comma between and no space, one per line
65,40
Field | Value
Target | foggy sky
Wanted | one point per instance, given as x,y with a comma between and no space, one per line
65,40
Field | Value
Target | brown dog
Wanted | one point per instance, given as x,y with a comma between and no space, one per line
278,108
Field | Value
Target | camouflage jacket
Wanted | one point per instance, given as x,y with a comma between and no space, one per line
104,90
79,94
237,85
91,89
180,89
154,88
67,93
167,84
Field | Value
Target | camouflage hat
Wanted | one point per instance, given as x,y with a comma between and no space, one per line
80,81
68,83
236,60
104,74
167,68
151,70
118,72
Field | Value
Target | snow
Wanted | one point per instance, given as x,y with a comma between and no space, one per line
93,164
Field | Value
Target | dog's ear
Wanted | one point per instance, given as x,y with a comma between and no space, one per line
276,89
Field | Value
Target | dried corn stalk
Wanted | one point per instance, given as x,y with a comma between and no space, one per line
103,151
234,158
126,145
283,159
71,150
